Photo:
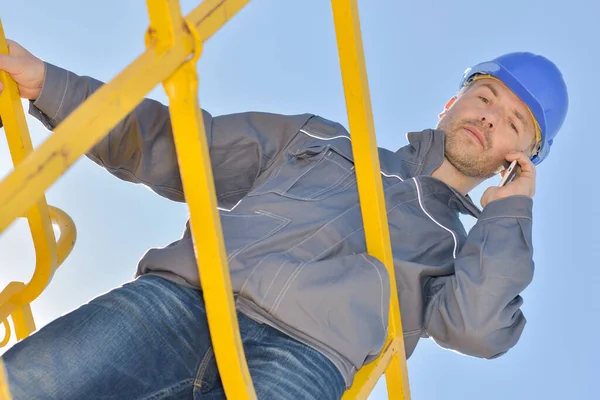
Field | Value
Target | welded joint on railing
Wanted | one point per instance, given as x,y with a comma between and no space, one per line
192,30
188,31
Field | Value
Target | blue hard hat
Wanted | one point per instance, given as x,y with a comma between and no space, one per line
538,83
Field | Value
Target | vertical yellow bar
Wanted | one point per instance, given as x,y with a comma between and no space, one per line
20,145
198,185
4,392
362,132
23,322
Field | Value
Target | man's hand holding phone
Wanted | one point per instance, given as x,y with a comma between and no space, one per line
522,184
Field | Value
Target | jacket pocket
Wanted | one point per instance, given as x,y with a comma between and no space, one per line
243,230
312,173
342,302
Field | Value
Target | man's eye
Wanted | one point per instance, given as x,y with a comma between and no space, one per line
485,100
514,127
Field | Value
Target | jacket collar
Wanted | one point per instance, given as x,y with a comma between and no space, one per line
423,155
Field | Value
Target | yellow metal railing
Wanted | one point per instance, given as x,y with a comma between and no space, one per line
173,46
392,360
16,297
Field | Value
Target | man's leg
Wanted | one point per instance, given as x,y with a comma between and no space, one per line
144,340
281,368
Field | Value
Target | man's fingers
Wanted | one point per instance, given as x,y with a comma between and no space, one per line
9,64
14,48
525,163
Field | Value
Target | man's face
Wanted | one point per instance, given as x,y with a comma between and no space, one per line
482,125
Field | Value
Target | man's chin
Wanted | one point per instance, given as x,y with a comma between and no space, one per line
471,170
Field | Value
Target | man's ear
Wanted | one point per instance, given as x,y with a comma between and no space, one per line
447,106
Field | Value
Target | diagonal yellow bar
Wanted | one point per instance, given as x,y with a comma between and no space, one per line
364,145
198,185
104,109
211,15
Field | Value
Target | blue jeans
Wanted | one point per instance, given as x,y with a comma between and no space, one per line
149,339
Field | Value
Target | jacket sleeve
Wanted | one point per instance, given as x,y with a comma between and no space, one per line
476,311
140,148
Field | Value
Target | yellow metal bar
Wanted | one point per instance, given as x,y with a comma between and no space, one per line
68,233
198,185
21,314
6,338
13,301
19,143
92,120
165,22
362,132
211,15
4,392
369,375
16,297
8,293
23,321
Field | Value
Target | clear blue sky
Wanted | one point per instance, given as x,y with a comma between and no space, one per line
281,56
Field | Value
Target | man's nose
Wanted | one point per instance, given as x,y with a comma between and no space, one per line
489,120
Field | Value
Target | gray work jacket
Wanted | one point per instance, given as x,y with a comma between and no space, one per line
286,187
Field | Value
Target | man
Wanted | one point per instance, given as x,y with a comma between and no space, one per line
312,303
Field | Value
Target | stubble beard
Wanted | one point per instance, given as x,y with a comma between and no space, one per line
467,156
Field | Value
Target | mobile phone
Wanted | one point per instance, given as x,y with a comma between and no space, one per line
511,172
